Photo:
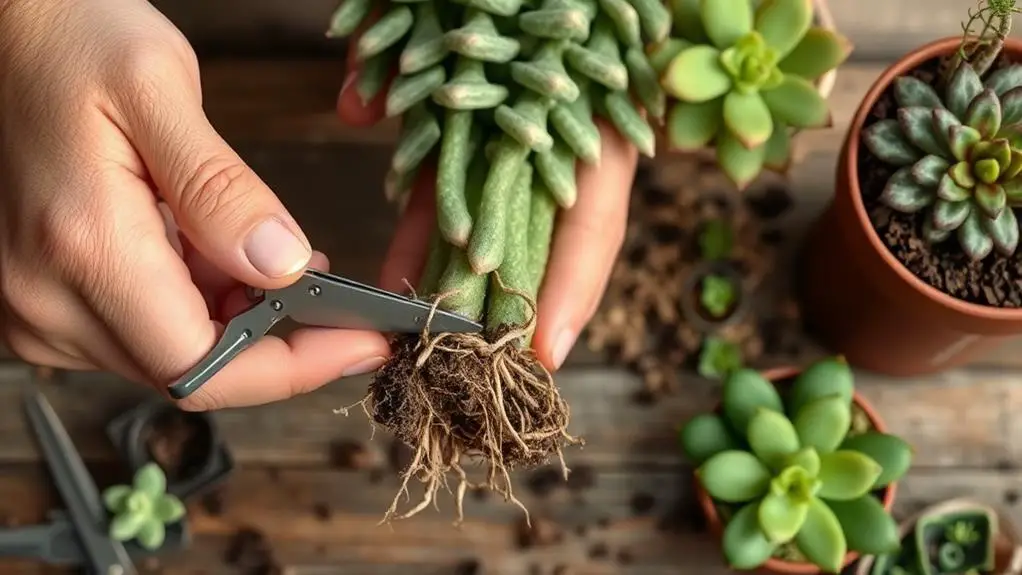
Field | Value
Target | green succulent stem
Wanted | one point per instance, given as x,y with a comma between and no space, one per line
982,47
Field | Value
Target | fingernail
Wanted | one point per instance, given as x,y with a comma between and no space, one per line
562,347
275,250
365,366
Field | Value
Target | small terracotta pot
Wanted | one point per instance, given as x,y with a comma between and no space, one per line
861,301
775,375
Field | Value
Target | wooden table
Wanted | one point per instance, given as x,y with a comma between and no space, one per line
628,508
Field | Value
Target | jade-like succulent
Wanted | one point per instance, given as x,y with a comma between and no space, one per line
796,471
959,156
143,509
742,73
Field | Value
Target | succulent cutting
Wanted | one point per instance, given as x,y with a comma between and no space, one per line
741,75
960,157
798,471
502,96
142,510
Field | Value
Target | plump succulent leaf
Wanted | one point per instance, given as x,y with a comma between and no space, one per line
962,87
930,170
777,150
912,92
1005,79
747,117
725,21
797,103
821,539
990,198
781,516
125,526
820,51
823,423
740,164
772,438
867,526
847,474
744,543
961,139
903,193
734,476
917,125
661,54
1003,231
115,496
891,452
984,113
151,534
1011,107
149,479
826,377
948,215
743,393
696,75
943,121
973,238
693,126
782,23
807,458
885,140
168,508
686,20
704,436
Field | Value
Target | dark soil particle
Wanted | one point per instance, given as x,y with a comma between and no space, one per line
352,455
251,553
625,557
400,456
581,478
213,503
1011,497
322,511
544,481
994,281
642,503
599,551
770,203
541,533
468,567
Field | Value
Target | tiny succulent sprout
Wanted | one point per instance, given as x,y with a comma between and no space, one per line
143,509
717,295
741,73
958,157
793,472
718,358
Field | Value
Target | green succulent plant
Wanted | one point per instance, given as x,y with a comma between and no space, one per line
792,470
741,73
143,509
959,157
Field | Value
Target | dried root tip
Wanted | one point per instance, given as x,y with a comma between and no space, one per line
419,136
626,21
556,24
372,77
386,32
425,47
646,83
577,130
479,39
557,169
347,17
626,118
407,91
600,68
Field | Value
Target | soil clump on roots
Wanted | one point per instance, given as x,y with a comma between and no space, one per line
450,395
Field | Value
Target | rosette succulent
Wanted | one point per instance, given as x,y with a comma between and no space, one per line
143,509
741,73
959,157
796,473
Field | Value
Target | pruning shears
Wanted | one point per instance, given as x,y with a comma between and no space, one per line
322,300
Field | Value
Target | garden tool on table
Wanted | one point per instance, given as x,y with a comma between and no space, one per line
322,300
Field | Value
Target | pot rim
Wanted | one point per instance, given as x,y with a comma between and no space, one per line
138,450
905,64
777,565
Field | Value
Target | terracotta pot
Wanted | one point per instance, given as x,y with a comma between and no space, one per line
861,301
775,375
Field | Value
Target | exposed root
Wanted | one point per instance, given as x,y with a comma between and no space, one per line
450,395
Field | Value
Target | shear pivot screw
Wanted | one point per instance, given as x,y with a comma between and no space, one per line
314,290
276,305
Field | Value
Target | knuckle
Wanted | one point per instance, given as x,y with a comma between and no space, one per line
219,188
145,65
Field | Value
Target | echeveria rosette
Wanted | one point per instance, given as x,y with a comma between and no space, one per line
143,509
796,471
741,74
959,157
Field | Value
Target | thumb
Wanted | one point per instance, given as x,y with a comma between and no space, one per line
221,205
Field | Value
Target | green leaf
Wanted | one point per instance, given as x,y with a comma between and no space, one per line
917,125
151,534
961,176
973,238
984,113
963,86
115,496
868,528
747,117
744,543
696,75
740,164
780,516
943,121
772,438
847,474
820,539
890,451
693,126
168,508
150,480
949,215
782,23
686,20
716,239
886,141
987,170
1003,231
126,525
718,358
725,21
1011,107
910,91
904,194
820,51
828,376
743,393
990,198
823,423
777,154
962,139
1005,79
734,476
704,436
807,458
797,103
928,171
717,295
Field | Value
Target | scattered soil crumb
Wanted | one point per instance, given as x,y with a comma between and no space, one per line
351,455
543,532
535,569
642,503
581,478
250,551
213,503
481,494
468,567
603,522
599,551
151,565
400,456
273,473
563,570
376,475
625,557
582,530
1011,497
542,482
322,511
772,202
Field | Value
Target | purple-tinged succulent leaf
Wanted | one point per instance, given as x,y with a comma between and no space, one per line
961,175
963,138
963,86
950,191
886,141
932,234
1013,192
949,215
910,91
990,198
778,149
987,170
904,194
1014,167
1004,80
984,113
929,171
917,124
1004,232
973,238
943,120
1011,107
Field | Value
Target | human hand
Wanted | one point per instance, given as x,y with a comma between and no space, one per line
586,243
102,133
